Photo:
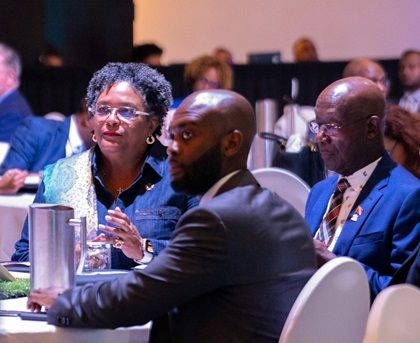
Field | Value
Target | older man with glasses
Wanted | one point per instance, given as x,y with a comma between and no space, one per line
13,106
369,211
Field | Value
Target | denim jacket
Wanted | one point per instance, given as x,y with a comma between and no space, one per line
150,203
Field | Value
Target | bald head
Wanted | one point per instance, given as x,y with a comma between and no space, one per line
349,113
224,111
369,69
211,133
354,97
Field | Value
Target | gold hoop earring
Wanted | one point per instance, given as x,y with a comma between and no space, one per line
150,139
94,137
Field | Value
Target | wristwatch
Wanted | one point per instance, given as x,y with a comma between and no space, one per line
147,251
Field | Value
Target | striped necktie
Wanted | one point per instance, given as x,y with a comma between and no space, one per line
327,228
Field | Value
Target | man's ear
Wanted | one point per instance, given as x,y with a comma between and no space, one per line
374,126
232,143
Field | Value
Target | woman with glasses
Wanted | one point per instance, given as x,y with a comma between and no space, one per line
121,184
203,72
206,72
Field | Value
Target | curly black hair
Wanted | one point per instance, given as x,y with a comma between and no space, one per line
152,87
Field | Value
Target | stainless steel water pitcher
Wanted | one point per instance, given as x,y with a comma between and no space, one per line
52,245
262,150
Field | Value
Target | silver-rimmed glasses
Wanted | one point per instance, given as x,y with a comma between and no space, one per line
124,112
331,129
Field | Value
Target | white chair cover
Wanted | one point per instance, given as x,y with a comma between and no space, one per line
332,307
286,184
395,316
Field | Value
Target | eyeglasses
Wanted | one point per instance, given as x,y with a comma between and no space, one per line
211,84
331,129
127,113
384,82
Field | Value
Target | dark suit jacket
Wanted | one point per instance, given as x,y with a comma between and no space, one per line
388,229
231,273
13,109
36,143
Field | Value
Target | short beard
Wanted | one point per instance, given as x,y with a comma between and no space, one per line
202,174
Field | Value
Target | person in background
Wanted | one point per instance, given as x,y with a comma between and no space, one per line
38,142
149,54
402,138
13,106
206,72
202,73
304,50
223,55
365,67
121,185
235,263
50,57
368,211
410,80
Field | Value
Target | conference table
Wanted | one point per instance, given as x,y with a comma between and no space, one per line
14,329
13,211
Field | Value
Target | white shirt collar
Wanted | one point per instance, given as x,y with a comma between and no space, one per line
74,143
358,179
215,188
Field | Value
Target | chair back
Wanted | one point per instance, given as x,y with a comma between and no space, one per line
395,316
286,184
332,307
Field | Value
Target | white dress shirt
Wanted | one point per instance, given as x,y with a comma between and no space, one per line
410,101
357,181
74,143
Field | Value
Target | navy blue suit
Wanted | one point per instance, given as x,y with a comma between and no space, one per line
386,232
36,143
13,109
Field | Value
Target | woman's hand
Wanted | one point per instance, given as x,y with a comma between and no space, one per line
125,235
12,180
43,297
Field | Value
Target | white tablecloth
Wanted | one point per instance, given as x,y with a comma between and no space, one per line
13,329
13,211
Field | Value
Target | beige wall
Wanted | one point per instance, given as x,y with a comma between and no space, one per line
341,29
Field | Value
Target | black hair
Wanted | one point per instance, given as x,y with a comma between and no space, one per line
151,86
141,52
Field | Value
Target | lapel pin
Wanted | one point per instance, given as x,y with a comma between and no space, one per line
149,186
356,214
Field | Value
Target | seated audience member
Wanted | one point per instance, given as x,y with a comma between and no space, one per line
149,54
50,57
206,72
235,264
369,211
12,180
304,50
402,138
365,67
13,106
123,180
38,142
223,55
410,80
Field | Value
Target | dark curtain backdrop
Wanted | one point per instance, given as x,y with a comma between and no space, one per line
50,89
